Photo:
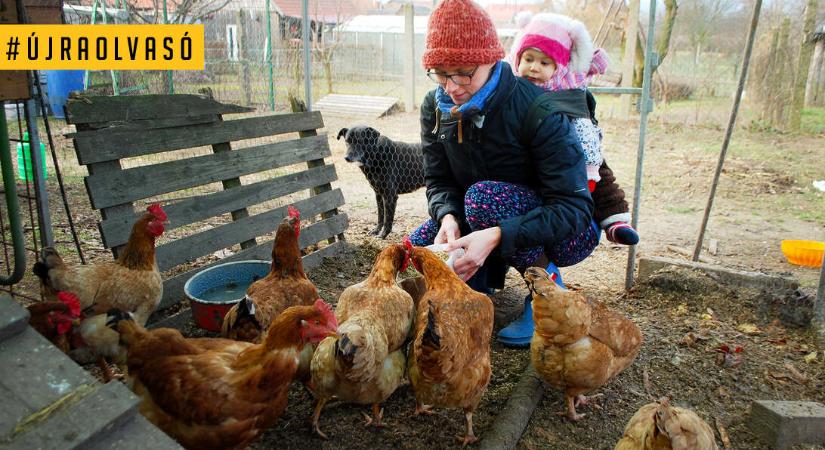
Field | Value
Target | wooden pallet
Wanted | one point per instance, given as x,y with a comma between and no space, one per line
365,106
111,129
49,402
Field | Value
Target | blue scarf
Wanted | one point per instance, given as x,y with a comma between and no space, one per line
476,102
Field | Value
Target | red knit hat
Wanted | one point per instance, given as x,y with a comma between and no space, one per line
461,33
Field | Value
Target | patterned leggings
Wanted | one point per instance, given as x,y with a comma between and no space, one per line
488,202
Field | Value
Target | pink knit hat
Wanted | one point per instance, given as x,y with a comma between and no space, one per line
564,39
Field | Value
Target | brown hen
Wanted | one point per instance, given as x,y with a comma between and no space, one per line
366,363
578,344
131,283
219,396
659,426
449,363
286,285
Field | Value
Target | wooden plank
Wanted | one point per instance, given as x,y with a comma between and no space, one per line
14,85
90,109
104,145
188,248
173,287
145,125
356,103
147,181
115,231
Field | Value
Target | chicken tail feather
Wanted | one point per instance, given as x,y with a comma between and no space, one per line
431,336
345,349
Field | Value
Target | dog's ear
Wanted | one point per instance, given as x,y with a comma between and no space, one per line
343,132
372,132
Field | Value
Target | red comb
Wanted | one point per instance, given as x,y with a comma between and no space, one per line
293,212
157,211
408,243
326,310
70,299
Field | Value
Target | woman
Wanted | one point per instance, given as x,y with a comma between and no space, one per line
507,192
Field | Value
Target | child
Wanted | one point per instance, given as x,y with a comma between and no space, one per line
556,53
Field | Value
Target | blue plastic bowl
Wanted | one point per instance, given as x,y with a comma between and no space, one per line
213,291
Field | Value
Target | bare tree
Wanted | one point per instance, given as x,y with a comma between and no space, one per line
178,11
705,18
326,40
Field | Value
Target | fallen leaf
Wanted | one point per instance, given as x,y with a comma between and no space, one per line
688,340
681,310
780,342
705,316
748,328
778,376
795,374
723,434
810,357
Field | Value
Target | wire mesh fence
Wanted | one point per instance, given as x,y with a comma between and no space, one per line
354,54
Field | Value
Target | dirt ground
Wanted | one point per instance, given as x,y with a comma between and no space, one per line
765,195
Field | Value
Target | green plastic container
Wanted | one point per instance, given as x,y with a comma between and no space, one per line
24,159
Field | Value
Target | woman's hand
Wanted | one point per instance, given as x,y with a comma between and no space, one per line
449,230
477,246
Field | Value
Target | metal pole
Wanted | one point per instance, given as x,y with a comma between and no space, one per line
115,84
41,195
169,81
87,78
819,303
645,106
269,56
731,123
307,54
13,205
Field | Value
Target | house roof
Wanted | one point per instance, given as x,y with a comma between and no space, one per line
395,25
327,11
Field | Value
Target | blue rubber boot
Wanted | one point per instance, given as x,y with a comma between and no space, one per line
519,333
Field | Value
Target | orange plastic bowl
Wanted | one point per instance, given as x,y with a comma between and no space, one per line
804,253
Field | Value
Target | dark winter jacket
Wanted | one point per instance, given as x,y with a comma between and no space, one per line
550,161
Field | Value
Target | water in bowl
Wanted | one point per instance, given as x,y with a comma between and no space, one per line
225,293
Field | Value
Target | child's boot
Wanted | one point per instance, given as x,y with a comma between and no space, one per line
520,332
622,233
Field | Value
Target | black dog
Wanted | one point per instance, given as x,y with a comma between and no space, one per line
392,168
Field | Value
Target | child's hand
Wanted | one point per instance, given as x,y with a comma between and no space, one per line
477,246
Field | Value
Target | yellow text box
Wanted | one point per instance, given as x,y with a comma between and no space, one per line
101,47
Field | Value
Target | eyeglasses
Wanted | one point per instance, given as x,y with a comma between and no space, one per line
461,79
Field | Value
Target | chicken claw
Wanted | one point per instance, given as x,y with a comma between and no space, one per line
470,437
375,420
571,410
423,409
584,400
315,416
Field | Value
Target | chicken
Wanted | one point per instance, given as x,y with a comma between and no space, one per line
222,395
131,283
415,286
449,363
659,426
56,320
286,285
366,363
578,345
